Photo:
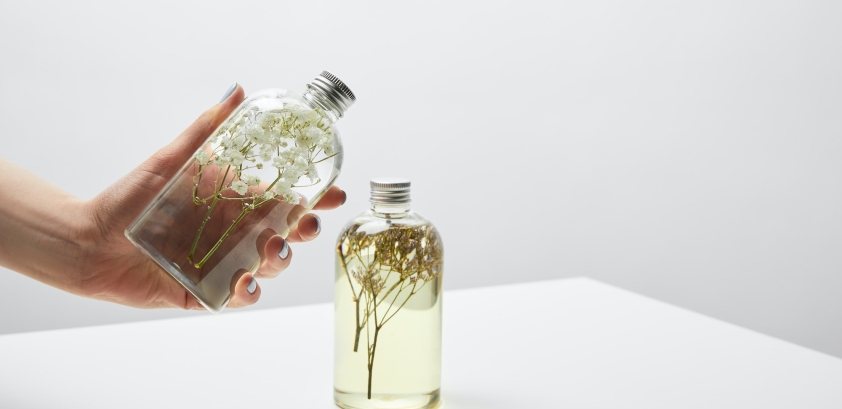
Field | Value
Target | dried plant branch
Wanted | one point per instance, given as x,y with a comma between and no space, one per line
412,253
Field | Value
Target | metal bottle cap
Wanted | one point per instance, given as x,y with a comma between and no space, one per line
390,190
332,92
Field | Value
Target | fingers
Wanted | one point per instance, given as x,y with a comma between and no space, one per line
191,303
308,228
170,159
333,198
246,291
278,255
126,198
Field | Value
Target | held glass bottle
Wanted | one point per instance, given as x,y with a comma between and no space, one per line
388,302
265,166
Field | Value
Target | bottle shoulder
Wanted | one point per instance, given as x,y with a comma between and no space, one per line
270,99
368,222
279,100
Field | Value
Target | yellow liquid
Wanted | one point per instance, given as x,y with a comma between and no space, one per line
406,370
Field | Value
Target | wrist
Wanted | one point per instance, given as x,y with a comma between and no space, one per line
42,239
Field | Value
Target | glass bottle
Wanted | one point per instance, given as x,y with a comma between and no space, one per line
260,171
387,305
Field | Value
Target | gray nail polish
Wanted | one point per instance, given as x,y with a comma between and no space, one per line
284,253
318,224
229,92
252,286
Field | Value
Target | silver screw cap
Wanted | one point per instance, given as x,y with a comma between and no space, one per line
332,92
390,190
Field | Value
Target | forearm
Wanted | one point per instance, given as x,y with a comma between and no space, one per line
40,228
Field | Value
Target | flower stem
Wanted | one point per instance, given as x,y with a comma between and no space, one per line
201,227
326,158
196,200
221,239
359,325
207,216
371,359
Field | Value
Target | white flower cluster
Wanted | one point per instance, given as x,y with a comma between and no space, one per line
288,139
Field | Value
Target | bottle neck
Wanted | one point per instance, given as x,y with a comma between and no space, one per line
318,99
390,210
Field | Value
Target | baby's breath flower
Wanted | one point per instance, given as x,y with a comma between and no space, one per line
290,139
222,134
312,173
252,112
266,153
202,157
231,157
315,132
301,116
292,197
308,137
283,188
239,141
312,116
250,180
291,177
301,162
300,152
279,162
257,134
326,143
269,118
239,187
293,173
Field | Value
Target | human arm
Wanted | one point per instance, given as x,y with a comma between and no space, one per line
78,245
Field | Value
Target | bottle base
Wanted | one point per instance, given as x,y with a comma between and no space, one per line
346,400
175,272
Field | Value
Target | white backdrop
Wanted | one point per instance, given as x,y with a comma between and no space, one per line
686,151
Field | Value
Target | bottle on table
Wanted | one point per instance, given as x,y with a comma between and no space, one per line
388,305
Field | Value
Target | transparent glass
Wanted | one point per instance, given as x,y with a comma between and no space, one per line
388,305
265,166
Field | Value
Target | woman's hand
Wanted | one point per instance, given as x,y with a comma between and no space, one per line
79,246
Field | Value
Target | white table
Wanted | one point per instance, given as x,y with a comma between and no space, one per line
573,343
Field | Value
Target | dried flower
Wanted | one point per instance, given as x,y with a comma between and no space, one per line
250,180
291,139
202,157
240,187
385,269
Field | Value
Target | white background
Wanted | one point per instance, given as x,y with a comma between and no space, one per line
686,151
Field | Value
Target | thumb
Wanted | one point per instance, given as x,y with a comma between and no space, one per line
124,200
169,159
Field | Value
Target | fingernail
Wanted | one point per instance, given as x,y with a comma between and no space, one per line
318,223
284,253
252,286
344,197
229,92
